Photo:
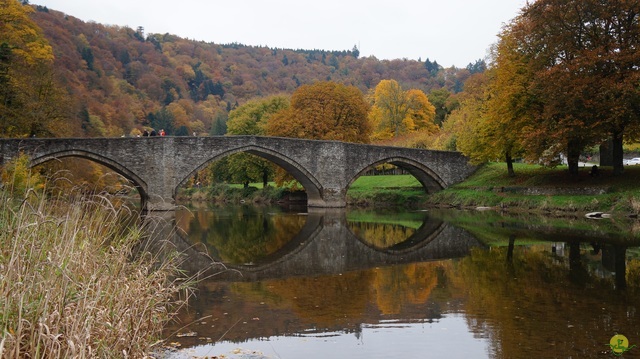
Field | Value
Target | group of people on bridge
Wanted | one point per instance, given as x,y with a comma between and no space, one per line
153,133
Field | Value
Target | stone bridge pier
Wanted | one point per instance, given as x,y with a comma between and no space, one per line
159,166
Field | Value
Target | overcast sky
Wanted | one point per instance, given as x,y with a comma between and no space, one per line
451,32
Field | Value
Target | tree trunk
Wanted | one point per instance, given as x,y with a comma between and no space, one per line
606,153
573,156
618,153
512,241
265,179
509,160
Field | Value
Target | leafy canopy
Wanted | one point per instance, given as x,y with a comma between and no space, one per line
396,112
324,111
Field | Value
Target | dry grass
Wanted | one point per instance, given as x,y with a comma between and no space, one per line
71,286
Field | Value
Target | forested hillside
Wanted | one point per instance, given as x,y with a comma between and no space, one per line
117,81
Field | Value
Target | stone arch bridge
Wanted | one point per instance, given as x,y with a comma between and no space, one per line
158,166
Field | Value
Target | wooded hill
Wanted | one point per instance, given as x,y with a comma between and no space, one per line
117,81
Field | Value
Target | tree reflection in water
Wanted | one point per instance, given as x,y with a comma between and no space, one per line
241,234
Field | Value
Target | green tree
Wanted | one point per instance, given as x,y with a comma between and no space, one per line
162,119
219,126
355,52
444,103
19,177
251,119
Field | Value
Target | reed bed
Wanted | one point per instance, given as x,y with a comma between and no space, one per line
73,284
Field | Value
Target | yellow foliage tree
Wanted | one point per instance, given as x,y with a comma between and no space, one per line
30,100
18,176
22,35
396,112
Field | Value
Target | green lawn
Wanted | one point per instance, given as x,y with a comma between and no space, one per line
367,183
372,183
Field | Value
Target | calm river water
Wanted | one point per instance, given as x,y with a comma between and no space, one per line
315,283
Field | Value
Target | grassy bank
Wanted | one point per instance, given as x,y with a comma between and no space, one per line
383,190
536,188
386,190
70,284
533,188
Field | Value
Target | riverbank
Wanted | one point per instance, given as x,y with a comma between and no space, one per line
548,191
545,190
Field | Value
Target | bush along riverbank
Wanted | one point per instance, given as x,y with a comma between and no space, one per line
71,284
235,194
366,191
550,191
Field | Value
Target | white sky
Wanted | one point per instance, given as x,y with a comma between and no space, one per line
451,32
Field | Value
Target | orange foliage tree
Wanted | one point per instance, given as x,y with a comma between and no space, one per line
583,58
324,111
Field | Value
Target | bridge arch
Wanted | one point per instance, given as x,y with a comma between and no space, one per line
306,179
429,179
137,182
423,235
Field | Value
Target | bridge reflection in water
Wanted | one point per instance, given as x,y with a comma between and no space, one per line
328,292
325,245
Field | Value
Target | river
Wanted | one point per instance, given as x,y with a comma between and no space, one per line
329,283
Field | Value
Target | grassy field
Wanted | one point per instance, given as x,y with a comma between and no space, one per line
491,186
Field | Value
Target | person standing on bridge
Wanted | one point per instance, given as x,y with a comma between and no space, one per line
162,133
153,132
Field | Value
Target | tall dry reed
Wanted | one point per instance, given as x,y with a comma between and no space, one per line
70,284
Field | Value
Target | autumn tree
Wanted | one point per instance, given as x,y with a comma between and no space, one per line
30,99
507,103
468,120
324,111
582,58
395,112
